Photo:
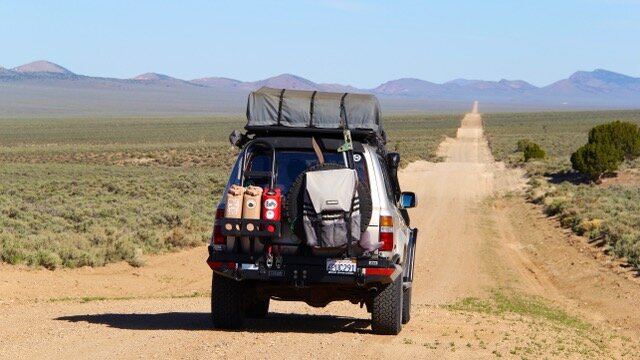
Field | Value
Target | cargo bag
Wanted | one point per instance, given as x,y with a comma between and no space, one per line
331,208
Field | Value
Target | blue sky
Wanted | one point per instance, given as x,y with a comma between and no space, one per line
357,42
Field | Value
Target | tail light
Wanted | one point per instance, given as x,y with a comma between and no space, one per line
218,265
386,233
217,238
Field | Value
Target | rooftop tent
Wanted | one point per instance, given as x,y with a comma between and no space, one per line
312,109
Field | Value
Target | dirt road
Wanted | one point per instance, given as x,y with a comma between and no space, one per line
493,279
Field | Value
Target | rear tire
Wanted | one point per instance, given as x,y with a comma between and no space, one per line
257,309
386,312
227,311
406,305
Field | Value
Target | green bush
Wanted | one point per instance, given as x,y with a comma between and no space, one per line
522,144
608,146
624,136
556,206
533,151
597,159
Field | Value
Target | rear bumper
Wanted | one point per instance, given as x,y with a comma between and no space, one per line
301,271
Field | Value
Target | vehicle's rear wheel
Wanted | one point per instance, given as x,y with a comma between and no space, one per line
386,312
406,305
257,308
227,311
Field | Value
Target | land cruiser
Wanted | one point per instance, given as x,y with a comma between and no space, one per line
312,212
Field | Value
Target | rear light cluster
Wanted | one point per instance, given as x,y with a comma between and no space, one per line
386,233
378,271
217,238
218,265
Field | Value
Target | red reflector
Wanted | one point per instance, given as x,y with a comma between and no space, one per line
379,271
219,265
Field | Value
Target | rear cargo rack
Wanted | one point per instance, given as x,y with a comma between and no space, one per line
250,227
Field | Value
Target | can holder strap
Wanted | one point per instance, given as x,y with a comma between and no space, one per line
250,227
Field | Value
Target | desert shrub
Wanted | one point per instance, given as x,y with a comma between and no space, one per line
555,206
596,159
608,145
11,252
533,151
522,144
625,242
138,259
624,136
592,227
46,258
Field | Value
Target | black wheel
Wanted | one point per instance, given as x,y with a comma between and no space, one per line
406,305
257,308
227,311
295,200
386,312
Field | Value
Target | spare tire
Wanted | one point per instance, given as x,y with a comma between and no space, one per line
295,199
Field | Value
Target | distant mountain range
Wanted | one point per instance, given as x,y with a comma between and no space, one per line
45,88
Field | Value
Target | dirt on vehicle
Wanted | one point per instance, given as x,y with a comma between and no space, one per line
493,278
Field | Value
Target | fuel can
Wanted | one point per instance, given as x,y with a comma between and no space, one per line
271,204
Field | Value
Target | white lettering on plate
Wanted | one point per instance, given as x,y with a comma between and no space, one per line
341,266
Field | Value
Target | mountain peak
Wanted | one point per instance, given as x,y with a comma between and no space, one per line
601,75
216,82
151,76
407,86
42,66
286,81
462,82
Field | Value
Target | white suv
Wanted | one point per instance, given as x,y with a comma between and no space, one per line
273,260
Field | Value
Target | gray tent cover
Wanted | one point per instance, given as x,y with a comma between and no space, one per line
312,109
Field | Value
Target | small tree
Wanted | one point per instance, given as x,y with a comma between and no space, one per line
608,145
624,136
533,151
596,159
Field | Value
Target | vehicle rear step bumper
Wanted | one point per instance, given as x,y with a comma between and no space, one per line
301,271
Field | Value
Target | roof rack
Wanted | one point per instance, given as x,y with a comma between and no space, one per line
314,113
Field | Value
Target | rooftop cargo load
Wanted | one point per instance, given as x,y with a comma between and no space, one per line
272,109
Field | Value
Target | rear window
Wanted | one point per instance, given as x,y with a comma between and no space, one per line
290,163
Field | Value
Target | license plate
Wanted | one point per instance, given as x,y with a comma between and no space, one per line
341,266
249,267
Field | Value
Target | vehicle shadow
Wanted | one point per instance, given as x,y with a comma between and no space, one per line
274,322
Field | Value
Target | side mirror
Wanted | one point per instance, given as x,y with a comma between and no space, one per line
408,200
